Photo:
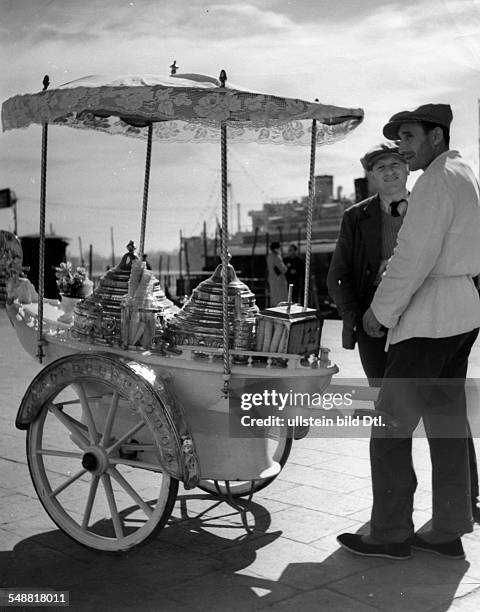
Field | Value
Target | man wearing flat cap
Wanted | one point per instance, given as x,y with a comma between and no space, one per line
429,303
366,240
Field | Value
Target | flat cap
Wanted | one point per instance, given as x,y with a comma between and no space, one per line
383,149
440,114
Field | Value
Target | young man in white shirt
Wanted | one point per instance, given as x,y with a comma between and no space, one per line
428,302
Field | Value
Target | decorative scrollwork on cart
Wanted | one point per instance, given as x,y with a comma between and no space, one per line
137,383
92,323
13,283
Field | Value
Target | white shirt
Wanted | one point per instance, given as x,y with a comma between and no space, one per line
427,289
402,209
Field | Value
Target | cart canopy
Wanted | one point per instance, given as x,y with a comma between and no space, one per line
182,108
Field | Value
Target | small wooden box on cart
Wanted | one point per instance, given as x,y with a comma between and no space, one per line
289,328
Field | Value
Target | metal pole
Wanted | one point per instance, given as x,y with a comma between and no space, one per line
41,238
148,162
311,197
224,253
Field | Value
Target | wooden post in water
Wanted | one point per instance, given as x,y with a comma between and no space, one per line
90,261
205,249
187,268
113,247
180,266
160,261
80,249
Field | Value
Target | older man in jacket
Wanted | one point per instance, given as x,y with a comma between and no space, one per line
428,302
366,240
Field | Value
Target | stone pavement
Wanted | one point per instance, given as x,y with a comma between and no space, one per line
205,560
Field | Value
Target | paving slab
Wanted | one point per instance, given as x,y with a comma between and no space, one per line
410,586
234,592
306,526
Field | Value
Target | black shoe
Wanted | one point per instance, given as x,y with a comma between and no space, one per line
393,550
452,549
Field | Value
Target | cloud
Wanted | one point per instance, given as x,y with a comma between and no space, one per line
50,34
379,55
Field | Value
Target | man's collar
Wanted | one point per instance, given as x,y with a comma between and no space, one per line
441,157
385,202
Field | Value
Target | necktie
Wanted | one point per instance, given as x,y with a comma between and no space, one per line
394,207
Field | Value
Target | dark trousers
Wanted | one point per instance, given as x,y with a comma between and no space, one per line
373,357
374,360
424,379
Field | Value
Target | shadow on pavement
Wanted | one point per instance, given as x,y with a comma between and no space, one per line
170,572
345,582
368,585
201,560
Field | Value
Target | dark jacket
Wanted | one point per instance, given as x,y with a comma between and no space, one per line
355,264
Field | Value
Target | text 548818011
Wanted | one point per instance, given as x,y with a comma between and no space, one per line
33,597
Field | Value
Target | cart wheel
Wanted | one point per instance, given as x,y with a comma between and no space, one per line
280,443
96,468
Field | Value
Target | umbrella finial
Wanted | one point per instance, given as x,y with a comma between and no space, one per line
222,78
46,82
174,67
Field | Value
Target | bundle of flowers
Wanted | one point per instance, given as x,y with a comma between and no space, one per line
73,282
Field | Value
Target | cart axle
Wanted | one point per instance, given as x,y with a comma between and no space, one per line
95,461
90,462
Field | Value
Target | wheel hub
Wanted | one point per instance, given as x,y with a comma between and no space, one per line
95,461
89,462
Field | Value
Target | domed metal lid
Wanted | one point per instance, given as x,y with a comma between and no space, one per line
211,288
200,319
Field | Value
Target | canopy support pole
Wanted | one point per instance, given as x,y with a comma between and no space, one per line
224,255
146,184
311,198
41,238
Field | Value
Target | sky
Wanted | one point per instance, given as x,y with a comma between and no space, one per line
382,56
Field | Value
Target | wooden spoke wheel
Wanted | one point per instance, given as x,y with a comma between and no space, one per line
95,465
279,444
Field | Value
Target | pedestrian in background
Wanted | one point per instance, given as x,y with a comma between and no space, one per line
276,269
295,273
